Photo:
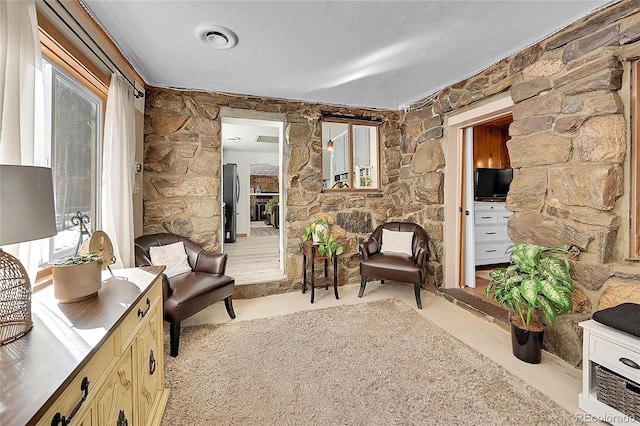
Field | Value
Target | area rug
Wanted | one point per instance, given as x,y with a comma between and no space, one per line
377,363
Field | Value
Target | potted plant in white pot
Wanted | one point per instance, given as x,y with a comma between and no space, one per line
536,287
318,232
77,278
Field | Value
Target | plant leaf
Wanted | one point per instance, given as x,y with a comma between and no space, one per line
529,289
557,296
558,269
548,309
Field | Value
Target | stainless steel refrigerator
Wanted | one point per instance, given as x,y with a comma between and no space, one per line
230,196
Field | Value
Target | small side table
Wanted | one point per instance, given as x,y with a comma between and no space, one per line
310,255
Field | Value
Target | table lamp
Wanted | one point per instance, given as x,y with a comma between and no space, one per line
27,212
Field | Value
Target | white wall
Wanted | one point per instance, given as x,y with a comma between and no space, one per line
244,159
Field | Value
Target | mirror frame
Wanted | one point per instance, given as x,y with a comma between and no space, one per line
350,123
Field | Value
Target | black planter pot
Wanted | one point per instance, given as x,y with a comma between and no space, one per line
526,344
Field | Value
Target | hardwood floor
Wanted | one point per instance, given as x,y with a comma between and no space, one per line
255,259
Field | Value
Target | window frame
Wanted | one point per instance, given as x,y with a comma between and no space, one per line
377,161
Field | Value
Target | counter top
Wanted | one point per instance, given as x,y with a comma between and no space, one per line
36,367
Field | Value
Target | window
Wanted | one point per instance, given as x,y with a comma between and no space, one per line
350,155
73,116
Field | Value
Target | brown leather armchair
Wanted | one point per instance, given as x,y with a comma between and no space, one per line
386,265
188,293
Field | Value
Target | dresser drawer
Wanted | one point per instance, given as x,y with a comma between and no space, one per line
490,233
609,355
485,217
139,314
96,373
497,250
503,216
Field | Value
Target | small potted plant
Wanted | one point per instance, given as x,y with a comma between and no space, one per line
77,278
318,232
536,287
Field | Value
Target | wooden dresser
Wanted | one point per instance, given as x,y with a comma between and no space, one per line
96,362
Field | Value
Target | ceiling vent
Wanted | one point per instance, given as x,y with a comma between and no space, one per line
216,36
267,139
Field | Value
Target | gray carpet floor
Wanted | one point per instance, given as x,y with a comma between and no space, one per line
377,363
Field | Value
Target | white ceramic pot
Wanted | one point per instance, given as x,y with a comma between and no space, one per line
321,230
72,283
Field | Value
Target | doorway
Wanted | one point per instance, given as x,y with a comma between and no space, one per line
252,149
459,189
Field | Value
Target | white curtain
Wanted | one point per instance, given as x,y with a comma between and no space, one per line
118,170
21,103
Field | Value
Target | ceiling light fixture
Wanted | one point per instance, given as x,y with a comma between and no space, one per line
217,36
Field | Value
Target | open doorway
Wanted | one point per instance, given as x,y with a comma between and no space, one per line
251,194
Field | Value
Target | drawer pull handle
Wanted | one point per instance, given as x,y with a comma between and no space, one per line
152,363
122,420
630,363
486,217
490,251
490,233
142,314
59,418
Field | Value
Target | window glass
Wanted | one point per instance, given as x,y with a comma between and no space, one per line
349,155
74,124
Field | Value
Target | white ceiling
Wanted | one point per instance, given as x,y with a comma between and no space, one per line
375,54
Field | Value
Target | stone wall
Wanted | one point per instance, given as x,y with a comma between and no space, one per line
182,177
569,149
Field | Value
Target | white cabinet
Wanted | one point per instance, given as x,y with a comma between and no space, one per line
493,244
362,146
618,352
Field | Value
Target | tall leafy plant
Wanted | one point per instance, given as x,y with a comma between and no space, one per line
537,279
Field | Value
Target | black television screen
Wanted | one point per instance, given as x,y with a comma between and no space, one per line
493,183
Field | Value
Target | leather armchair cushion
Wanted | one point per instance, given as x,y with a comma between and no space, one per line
193,292
392,266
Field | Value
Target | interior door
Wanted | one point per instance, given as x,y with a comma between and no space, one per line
469,243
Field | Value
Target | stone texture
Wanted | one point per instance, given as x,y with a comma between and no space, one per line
597,186
164,124
604,37
202,126
428,157
530,125
534,228
619,291
186,186
590,276
430,188
356,221
603,138
564,338
538,150
207,162
608,79
539,105
528,89
527,190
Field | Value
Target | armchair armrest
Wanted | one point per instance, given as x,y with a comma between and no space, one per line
368,248
212,263
421,255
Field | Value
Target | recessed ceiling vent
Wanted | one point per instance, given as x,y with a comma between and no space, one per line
216,36
268,139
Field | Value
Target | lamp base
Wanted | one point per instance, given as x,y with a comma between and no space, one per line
15,299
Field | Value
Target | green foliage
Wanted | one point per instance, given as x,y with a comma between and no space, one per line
536,279
327,246
80,259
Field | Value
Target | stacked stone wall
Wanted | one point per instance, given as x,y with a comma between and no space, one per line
569,149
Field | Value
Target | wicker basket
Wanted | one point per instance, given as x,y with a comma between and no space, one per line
618,392
15,299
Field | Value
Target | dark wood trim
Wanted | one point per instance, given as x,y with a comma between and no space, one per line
634,237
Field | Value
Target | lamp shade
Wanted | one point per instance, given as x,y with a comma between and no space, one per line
27,208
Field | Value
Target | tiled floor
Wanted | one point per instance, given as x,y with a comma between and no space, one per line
553,377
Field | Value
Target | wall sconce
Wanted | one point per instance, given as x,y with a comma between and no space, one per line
330,145
27,212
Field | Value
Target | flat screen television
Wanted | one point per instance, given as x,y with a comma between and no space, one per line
492,183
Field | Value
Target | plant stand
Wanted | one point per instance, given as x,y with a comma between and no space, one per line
310,255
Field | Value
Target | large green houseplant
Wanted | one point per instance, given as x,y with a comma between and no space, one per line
536,287
318,231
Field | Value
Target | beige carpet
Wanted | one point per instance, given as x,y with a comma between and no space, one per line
377,363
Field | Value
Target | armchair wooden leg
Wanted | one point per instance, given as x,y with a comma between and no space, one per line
229,306
174,338
416,289
363,284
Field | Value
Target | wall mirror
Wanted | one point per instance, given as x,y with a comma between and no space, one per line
349,155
